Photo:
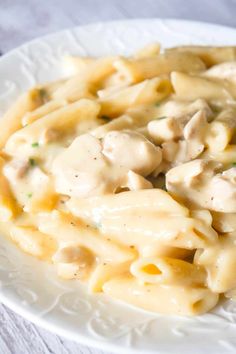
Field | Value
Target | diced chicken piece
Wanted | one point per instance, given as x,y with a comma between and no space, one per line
183,110
206,189
82,170
181,151
164,129
90,166
71,254
215,135
196,127
132,150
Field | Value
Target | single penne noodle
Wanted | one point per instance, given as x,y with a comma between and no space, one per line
68,231
149,50
148,91
33,242
12,119
59,120
203,87
110,90
151,200
210,55
84,83
74,90
92,69
147,68
75,64
218,135
167,299
140,228
49,88
112,83
104,272
43,110
166,270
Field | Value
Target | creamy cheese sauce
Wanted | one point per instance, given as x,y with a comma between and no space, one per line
123,176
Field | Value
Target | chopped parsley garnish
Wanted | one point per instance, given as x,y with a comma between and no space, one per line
234,164
35,145
159,118
29,195
32,162
157,104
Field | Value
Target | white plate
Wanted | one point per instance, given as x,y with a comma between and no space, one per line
30,287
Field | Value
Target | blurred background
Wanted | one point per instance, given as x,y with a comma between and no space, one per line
22,20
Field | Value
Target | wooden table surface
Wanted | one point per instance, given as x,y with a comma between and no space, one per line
22,20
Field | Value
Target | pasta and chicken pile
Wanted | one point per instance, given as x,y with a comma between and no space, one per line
123,175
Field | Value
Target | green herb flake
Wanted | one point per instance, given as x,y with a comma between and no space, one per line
29,195
106,118
35,145
157,104
234,164
32,162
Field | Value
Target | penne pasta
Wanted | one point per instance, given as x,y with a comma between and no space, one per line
210,55
57,121
43,110
66,230
149,91
167,299
148,200
136,70
11,121
203,87
33,242
123,176
165,270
